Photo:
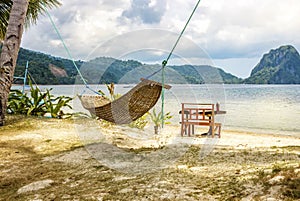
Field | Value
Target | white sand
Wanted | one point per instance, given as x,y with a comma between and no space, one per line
251,140
67,133
171,135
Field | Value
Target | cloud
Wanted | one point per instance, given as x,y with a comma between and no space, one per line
82,25
248,28
225,29
146,11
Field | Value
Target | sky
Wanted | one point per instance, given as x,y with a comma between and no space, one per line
232,35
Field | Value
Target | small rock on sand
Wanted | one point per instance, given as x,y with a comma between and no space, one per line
35,186
276,179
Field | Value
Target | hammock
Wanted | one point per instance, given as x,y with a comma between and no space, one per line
129,107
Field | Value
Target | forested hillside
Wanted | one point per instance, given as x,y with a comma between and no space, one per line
47,69
279,66
40,66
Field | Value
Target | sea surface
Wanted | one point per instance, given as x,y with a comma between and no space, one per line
271,109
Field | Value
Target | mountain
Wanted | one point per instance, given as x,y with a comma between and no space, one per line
50,70
279,66
201,74
105,70
46,69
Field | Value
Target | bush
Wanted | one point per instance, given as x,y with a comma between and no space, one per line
140,123
38,103
158,118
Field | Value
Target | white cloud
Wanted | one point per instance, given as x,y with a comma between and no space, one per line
225,29
145,11
240,26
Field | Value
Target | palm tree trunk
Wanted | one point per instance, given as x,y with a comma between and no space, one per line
10,50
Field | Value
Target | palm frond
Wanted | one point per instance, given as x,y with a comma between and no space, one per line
5,7
35,8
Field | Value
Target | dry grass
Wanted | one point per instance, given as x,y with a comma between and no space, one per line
226,174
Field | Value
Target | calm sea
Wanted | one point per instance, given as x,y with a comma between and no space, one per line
273,109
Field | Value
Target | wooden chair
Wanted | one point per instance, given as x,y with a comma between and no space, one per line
199,114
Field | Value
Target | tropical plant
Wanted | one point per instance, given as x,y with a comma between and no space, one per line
38,103
111,89
140,123
54,105
18,103
12,25
158,118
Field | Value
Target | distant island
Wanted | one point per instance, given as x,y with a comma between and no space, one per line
279,66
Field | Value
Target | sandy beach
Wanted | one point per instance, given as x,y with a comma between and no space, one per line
84,160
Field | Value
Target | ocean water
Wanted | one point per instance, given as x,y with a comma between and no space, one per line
271,109
264,108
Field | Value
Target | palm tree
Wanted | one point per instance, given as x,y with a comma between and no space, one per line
14,14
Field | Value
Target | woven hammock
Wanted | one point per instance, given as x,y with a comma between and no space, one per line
129,107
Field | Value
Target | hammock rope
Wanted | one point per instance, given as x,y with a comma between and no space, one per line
69,53
165,62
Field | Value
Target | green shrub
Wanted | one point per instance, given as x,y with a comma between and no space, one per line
140,123
158,118
38,103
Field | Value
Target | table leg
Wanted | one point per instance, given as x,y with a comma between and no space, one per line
210,130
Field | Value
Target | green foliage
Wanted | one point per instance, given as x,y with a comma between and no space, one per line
157,118
35,8
54,105
18,103
189,73
229,78
117,69
263,76
279,66
140,123
38,103
39,67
